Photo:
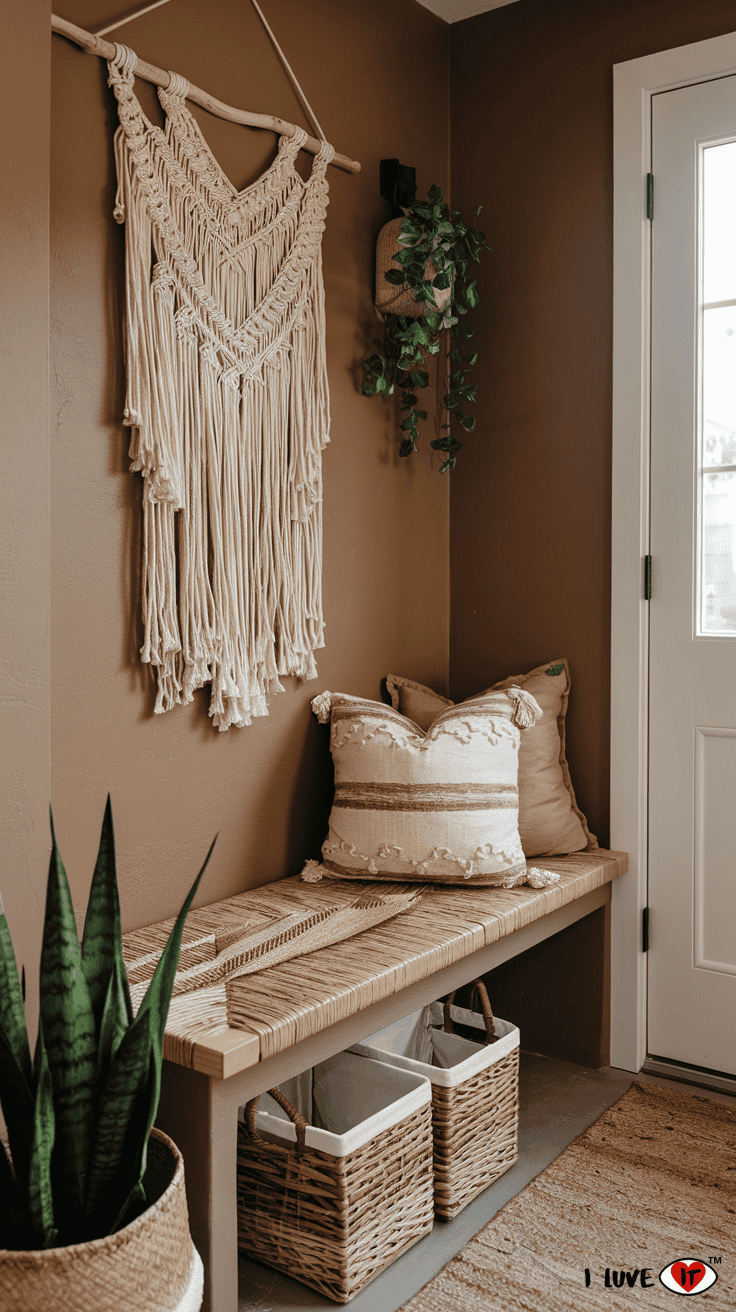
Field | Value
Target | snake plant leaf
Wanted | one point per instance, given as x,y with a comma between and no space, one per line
17,1105
114,1023
70,1042
122,1115
156,1004
12,1015
158,994
12,1215
102,942
40,1195
140,1128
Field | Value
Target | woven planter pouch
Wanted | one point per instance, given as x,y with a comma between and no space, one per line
333,1206
400,300
475,1094
150,1265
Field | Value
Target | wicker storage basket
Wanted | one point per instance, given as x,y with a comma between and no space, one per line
475,1093
334,1203
150,1265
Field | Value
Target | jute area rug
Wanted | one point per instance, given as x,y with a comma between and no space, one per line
651,1183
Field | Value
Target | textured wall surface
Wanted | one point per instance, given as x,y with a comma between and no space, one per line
174,780
24,487
532,120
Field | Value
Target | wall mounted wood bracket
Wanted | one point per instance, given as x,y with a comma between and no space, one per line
398,183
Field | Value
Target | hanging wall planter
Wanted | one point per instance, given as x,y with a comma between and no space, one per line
423,292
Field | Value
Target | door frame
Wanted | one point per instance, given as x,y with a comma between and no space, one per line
634,84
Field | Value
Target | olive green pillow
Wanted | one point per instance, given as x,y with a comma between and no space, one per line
550,820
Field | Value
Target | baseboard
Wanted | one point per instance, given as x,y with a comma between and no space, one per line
677,1070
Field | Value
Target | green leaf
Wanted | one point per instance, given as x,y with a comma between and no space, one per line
12,1213
421,414
120,1128
374,363
102,942
381,384
70,1042
444,279
396,277
17,1104
16,1074
420,378
158,994
471,294
40,1195
116,1018
468,423
555,669
12,1014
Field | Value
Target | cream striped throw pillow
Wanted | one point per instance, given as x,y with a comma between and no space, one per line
437,806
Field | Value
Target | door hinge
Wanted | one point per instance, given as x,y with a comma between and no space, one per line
650,196
645,930
647,578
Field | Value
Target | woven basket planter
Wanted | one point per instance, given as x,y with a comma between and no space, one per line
150,1265
475,1093
334,1203
400,300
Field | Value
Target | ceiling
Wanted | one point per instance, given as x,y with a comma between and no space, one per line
453,10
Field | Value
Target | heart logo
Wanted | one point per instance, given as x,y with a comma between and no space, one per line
688,1274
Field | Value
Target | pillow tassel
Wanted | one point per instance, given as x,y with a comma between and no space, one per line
322,706
526,710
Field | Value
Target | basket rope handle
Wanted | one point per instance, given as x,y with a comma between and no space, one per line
294,1116
491,1035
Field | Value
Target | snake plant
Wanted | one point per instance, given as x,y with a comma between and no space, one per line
79,1113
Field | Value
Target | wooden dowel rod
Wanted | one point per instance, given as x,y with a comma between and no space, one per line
95,45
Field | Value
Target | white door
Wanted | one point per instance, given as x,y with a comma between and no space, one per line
692,783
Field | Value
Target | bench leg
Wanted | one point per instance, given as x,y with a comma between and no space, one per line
200,1115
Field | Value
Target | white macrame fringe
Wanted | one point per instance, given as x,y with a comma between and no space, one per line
228,405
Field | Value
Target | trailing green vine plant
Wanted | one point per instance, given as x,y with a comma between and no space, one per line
431,236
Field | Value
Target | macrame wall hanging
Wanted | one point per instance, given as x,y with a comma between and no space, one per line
228,405
227,396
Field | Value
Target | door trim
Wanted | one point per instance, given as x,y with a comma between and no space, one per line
634,84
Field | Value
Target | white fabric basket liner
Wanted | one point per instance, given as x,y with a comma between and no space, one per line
191,1299
413,1044
349,1100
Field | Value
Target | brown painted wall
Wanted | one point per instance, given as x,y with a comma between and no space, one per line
532,115
174,780
24,487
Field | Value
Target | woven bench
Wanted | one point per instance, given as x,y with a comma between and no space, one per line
299,1012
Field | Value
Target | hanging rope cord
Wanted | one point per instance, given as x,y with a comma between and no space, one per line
292,75
95,44
112,27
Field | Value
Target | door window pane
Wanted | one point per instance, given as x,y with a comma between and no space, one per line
716,602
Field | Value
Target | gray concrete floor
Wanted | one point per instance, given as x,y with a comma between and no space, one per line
558,1101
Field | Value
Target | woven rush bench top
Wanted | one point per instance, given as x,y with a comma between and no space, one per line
233,1026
